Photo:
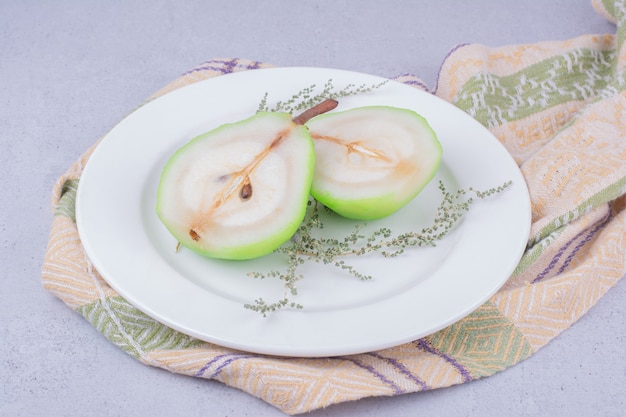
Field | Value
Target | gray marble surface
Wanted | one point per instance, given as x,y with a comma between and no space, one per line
69,70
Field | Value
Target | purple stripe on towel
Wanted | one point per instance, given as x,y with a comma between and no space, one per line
453,50
600,225
413,82
223,66
402,369
423,344
370,369
231,359
555,260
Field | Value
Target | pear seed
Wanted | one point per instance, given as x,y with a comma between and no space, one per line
246,191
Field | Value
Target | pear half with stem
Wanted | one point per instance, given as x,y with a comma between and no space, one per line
373,160
240,190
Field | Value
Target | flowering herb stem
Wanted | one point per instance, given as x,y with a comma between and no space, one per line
305,246
308,97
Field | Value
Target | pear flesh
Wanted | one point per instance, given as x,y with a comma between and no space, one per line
371,161
241,190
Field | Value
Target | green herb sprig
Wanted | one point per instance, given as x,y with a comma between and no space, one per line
305,246
308,97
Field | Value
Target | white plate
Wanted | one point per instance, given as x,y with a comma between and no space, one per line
409,297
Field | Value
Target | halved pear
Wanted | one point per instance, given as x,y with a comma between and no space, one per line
241,190
371,161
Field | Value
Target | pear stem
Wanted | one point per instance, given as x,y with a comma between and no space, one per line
323,107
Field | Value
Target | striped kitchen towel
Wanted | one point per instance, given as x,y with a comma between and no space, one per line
560,110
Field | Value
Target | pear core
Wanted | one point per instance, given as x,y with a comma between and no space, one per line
241,190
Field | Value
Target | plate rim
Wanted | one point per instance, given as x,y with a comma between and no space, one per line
278,350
